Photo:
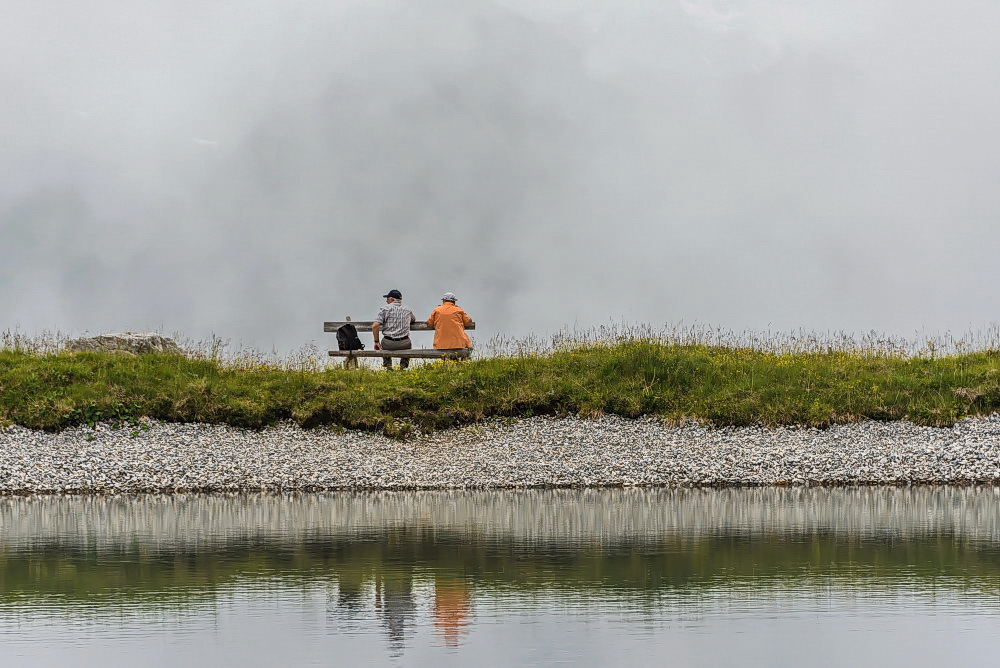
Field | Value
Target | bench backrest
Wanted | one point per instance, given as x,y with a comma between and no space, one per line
366,325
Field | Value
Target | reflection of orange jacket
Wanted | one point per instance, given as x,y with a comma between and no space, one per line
452,604
449,323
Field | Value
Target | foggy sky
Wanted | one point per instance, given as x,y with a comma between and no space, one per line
254,167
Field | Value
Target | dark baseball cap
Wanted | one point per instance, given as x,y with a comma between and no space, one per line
395,294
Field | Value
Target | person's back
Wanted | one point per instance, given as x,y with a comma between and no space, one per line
449,322
393,320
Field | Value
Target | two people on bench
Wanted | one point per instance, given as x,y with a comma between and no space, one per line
394,319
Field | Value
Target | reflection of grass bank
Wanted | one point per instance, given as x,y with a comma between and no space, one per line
73,571
727,386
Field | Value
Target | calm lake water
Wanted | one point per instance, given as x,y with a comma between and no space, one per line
757,577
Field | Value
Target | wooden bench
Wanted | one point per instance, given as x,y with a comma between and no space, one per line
421,353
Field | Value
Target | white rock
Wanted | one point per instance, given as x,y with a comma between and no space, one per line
127,342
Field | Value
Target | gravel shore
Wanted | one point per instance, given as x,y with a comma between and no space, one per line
535,452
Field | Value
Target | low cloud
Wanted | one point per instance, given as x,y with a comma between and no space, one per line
252,169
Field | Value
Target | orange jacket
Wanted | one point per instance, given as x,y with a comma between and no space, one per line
449,323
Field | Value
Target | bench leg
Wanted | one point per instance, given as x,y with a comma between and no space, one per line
351,362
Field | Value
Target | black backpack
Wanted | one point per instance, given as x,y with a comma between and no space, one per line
347,338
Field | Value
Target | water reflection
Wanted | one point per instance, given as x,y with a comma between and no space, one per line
447,570
452,605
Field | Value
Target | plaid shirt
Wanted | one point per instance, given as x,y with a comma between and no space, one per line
394,320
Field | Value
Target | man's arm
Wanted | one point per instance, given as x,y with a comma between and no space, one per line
432,318
466,320
375,326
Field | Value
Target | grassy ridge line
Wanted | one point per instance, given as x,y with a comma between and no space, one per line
724,386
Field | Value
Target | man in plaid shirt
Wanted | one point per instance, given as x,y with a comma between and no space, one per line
393,320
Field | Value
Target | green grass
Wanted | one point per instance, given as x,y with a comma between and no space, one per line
720,385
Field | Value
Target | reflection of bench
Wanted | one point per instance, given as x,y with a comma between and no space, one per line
422,353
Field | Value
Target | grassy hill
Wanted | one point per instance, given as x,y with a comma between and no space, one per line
720,385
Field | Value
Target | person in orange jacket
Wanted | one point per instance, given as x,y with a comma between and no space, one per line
449,322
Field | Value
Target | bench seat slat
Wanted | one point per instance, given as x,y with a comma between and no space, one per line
426,353
366,326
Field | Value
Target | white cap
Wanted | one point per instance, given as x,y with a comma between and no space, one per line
449,297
